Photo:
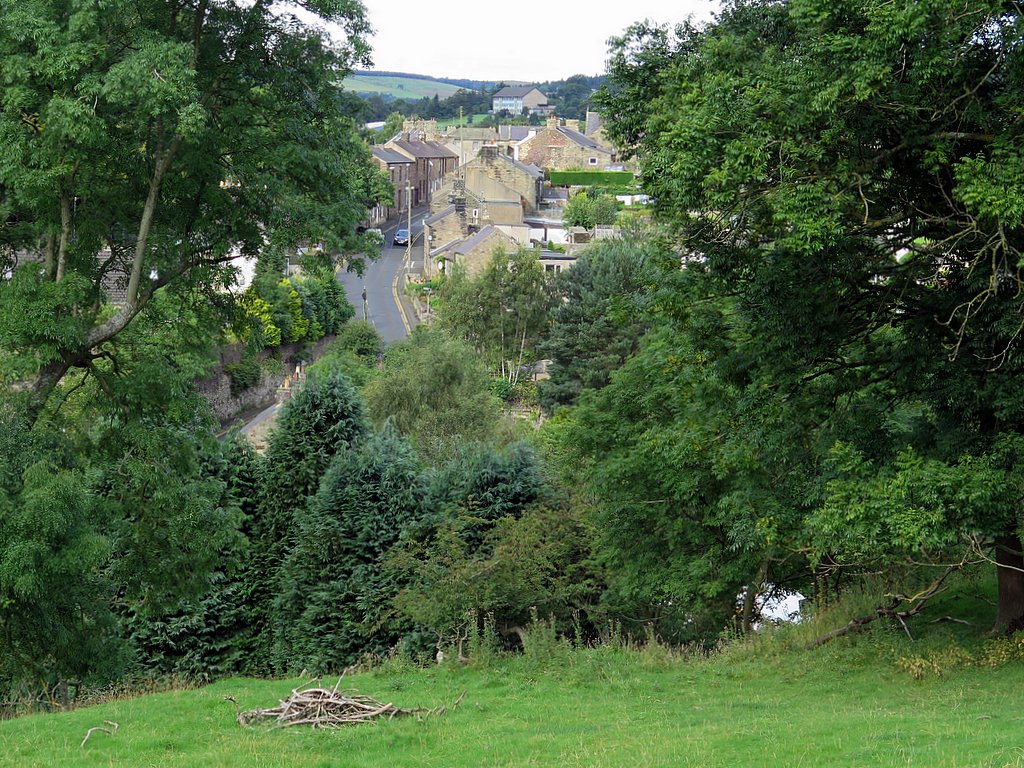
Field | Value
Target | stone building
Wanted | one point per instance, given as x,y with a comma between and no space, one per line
473,252
489,190
431,161
398,167
516,99
560,148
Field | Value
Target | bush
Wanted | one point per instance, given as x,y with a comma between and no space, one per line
245,374
590,178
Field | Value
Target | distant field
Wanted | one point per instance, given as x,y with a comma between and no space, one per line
471,120
399,87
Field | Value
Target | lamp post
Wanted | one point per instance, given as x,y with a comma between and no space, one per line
408,239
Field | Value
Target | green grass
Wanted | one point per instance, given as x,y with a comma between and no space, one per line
399,87
469,120
595,708
861,700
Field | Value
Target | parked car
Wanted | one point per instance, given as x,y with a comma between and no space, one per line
401,237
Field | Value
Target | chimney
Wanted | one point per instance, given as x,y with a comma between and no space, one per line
552,121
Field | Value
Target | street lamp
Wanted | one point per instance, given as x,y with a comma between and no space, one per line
408,239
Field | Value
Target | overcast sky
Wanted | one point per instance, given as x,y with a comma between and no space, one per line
528,40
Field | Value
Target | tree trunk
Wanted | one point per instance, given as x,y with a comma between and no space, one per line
1010,573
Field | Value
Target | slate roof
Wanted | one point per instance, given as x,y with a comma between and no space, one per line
443,213
475,240
515,91
579,138
389,156
424,149
515,132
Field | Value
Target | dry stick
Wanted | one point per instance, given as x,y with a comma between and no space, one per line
90,732
322,708
889,611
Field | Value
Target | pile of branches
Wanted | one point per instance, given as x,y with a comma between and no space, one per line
330,708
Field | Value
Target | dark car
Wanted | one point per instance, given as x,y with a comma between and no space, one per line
401,237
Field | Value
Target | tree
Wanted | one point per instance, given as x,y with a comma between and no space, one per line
636,63
586,210
334,605
108,507
435,392
856,186
502,312
321,419
599,315
465,557
144,144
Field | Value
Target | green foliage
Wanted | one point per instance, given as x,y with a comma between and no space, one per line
476,553
590,178
253,323
334,602
434,391
598,316
245,374
587,211
104,506
203,638
362,339
502,312
321,419
844,181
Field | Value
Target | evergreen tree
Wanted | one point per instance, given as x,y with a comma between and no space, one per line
334,604
321,419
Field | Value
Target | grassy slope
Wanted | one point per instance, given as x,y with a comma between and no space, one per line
849,703
399,87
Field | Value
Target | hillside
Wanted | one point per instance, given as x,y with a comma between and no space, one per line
399,86
600,707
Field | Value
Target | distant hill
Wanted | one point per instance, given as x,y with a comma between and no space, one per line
402,85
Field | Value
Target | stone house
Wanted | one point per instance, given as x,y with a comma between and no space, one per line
473,252
467,141
464,141
431,161
560,148
489,190
398,167
515,99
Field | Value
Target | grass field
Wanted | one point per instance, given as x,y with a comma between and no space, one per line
874,699
399,87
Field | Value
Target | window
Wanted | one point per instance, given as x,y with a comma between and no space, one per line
593,161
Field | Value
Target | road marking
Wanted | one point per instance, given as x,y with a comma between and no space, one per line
398,302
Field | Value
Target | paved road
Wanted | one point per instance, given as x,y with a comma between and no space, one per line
383,283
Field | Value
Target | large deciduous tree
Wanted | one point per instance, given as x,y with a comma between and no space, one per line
143,145
143,141
852,173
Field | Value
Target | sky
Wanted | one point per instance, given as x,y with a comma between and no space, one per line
527,40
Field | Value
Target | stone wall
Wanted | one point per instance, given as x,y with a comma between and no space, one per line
216,388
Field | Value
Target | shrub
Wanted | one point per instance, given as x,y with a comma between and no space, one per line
245,374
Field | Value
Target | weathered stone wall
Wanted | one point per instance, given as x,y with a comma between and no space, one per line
216,388
552,150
